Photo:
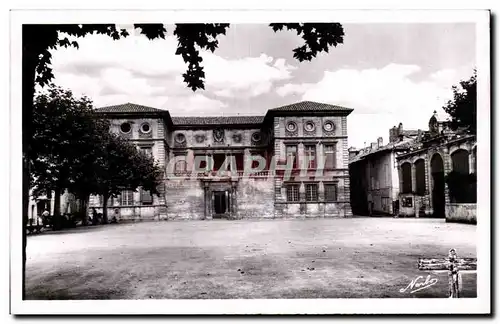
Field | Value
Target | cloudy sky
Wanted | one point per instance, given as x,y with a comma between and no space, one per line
389,73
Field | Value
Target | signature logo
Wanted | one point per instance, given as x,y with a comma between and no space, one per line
418,284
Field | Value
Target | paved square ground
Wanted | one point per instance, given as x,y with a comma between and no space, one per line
316,258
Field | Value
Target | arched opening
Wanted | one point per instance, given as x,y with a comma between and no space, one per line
460,161
406,176
461,182
437,176
420,177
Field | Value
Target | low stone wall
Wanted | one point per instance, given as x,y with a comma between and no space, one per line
420,206
131,213
314,210
461,213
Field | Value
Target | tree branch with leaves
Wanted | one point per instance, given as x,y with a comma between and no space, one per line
463,107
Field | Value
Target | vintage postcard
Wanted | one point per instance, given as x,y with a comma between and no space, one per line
250,162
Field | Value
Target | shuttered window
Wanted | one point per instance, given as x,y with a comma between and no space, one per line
127,198
292,192
146,197
312,192
330,192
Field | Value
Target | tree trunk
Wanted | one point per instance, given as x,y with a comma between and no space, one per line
26,197
57,202
58,220
105,197
83,210
29,62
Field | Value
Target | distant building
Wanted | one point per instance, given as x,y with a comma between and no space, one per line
423,170
37,205
373,173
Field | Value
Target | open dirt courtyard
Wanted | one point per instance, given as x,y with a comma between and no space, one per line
317,258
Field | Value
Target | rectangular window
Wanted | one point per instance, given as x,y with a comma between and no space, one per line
146,197
148,150
127,198
239,161
258,156
310,152
292,192
330,192
312,192
180,164
291,154
201,163
219,160
330,161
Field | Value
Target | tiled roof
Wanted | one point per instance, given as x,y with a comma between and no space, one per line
311,106
409,132
128,108
364,152
217,120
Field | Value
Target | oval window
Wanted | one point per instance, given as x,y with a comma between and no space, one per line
125,127
145,128
309,126
328,126
256,137
291,126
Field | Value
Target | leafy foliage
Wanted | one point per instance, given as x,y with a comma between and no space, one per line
61,127
317,38
73,150
463,107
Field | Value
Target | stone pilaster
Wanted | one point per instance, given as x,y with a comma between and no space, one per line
447,166
302,192
321,192
413,177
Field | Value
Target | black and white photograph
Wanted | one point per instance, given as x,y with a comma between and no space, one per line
250,162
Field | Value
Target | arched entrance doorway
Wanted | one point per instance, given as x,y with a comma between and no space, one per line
437,175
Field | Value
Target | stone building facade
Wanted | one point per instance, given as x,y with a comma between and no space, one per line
423,168
373,173
291,162
37,205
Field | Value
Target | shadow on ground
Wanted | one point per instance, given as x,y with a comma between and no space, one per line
356,258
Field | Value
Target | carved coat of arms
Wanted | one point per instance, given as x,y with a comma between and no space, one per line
218,135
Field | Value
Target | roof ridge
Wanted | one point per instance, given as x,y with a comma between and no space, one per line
307,105
231,116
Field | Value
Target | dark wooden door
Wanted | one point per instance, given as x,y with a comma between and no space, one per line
220,202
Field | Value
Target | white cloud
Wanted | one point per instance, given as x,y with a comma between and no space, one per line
145,71
194,105
248,77
290,89
381,98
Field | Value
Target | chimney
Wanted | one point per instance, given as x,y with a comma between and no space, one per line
373,146
400,128
380,142
392,134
